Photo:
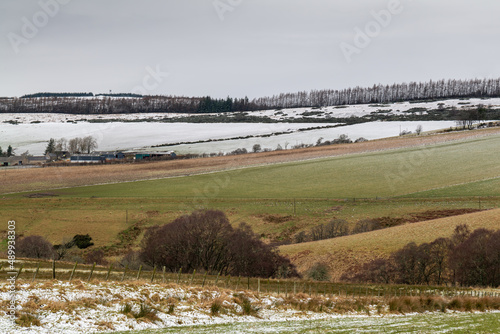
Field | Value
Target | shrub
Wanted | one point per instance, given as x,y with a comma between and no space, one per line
319,272
216,307
35,246
97,256
205,240
82,241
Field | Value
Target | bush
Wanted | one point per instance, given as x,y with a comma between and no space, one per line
95,256
82,241
205,240
319,272
35,246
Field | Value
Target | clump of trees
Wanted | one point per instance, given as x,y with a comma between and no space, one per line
466,258
35,246
337,228
206,241
10,152
76,145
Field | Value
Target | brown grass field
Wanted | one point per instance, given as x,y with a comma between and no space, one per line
344,253
20,180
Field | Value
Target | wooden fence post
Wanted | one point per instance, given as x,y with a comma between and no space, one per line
204,278
124,271
238,282
36,271
109,271
139,272
258,285
179,276
19,271
153,276
228,282
248,283
217,279
163,274
192,277
91,272
294,287
53,268
73,271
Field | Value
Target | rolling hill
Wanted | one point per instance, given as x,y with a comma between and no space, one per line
344,253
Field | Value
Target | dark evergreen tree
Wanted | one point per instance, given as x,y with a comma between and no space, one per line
82,241
51,146
10,151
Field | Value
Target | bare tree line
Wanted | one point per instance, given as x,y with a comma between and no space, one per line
75,145
413,91
467,258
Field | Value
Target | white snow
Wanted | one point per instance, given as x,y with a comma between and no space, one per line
34,130
360,110
370,131
133,136
105,301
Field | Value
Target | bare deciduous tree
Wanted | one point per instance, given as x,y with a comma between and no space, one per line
34,246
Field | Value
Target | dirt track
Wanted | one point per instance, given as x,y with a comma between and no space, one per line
18,180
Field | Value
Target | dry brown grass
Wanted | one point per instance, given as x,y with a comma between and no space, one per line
342,254
105,325
18,180
27,320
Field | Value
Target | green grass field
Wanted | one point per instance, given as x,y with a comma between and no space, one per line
421,323
383,174
409,181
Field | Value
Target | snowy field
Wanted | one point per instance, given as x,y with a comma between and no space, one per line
130,132
143,135
358,110
370,131
80,307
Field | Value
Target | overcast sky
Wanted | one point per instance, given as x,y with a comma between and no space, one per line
241,47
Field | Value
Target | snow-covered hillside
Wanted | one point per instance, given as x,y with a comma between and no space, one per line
31,132
326,112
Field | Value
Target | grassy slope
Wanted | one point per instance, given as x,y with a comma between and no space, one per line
342,253
241,193
385,173
421,323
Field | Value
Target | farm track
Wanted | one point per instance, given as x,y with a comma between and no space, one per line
43,179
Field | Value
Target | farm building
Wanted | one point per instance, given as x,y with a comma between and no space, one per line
108,156
154,155
97,157
87,158
37,160
13,161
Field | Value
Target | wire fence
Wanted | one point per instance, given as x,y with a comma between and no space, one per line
45,270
